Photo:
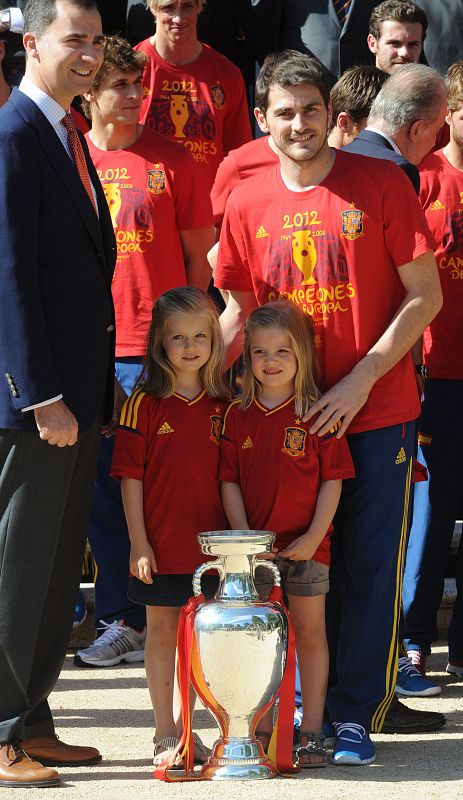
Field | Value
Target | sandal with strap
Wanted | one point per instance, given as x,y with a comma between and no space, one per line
166,745
315,747
202,752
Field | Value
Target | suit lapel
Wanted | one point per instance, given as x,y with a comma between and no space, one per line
62,165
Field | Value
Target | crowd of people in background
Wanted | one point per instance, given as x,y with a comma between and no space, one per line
179,180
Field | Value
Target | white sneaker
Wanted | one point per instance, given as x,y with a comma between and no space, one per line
119,642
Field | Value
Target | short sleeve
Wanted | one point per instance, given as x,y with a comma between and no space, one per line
129,456
232,271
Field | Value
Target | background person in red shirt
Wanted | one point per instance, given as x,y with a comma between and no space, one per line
162,220
438,501
193,94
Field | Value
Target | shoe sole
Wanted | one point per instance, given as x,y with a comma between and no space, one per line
352,760
454,671
431,691
30,784
413,728
112,662
54,763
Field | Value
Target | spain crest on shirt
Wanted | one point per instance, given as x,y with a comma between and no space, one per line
294,442
218,96
352,223
156,179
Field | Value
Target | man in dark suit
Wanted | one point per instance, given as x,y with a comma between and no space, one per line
404,119
57,255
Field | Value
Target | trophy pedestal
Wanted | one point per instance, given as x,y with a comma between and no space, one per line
237,759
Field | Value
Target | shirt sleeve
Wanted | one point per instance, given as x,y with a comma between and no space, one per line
406,231
229,465
236,125
226,179
334,455
130,449
232,271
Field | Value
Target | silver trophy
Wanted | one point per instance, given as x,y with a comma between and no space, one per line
242,646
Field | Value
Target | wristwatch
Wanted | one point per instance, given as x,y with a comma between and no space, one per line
11,19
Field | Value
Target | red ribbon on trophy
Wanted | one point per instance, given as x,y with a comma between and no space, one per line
189,670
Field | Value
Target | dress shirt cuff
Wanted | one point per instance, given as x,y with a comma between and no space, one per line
44,403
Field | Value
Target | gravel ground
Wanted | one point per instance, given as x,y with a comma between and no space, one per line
110,709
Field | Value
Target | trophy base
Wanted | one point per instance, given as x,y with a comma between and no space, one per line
238,759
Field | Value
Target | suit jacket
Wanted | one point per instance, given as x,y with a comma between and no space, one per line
369,143
313,27
56,259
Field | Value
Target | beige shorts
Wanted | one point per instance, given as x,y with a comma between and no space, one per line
304,578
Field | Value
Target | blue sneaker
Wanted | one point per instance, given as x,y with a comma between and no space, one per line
411,683
353,744
80,611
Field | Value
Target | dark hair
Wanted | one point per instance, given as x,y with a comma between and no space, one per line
355,91
398,11
454,85
289,68
39,14
118,55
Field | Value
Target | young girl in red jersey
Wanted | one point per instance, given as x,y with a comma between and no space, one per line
276,476
167,457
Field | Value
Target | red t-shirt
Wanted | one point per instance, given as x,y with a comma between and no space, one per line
201,105
334,251
441,197
154,190
172,445
245,162
280,467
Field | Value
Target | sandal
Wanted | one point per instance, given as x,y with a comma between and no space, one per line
315,747
201,753
166,745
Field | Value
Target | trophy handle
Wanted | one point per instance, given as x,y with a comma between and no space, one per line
268,564
198,574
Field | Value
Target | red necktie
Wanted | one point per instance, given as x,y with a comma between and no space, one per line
77,153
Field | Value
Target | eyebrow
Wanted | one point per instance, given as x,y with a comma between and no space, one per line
74,35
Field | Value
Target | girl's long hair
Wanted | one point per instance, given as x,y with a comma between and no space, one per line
285,315
158,376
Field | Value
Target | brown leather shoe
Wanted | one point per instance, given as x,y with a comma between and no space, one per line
51,752
17,769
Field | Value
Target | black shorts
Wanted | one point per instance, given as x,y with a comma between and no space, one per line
169,590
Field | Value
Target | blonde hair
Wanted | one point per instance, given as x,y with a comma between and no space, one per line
159,377
155,5
285,315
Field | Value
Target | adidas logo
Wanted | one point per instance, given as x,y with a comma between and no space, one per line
437,206
247,444
401,457
261,233
165,428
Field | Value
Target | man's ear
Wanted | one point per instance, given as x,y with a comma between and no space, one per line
261,121
448,118
344,122
30,44
415,129
372,43
89,96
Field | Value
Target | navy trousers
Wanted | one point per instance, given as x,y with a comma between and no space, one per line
437,504
368,553
108,535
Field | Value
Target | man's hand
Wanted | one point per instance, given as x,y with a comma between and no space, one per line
119,399
142,562
56,424
340,404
